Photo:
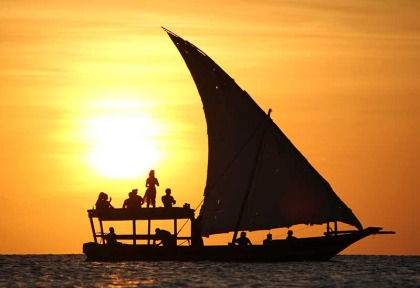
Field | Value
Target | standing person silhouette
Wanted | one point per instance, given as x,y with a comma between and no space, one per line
150,195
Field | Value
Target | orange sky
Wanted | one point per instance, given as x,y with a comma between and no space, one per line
85,86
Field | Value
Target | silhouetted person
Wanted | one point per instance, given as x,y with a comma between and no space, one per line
129,203
150,195
102,203
196,227
165,237
268,240
134,201
111,237
243,240
290,236
167,199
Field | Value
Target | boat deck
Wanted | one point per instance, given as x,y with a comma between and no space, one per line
302,249
148,214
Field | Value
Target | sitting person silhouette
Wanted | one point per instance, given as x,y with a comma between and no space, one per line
111,237
129,203
102,203
150,195
268,240
134,201
167,199
165,237
243,240
290,236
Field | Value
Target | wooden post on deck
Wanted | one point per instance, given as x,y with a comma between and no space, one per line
148,232
335,228
93,229
175,231
102,231
134,232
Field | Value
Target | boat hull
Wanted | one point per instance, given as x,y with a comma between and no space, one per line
305,249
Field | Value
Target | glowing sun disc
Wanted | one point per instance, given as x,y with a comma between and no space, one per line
123,146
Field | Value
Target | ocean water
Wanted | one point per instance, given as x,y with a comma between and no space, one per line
341,271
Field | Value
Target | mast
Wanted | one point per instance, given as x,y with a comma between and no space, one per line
254,168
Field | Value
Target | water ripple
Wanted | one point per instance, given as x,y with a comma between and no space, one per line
342,271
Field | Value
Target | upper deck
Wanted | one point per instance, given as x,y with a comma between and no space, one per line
120,214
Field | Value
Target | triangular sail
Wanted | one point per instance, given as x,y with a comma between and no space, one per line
284,190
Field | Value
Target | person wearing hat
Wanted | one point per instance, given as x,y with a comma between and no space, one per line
134,201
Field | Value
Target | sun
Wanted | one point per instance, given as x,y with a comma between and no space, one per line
123,146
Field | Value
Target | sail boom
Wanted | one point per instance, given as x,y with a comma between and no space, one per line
272,227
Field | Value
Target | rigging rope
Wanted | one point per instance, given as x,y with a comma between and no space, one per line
207,190
182,242
189,219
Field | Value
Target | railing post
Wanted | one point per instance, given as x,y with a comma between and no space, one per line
175,231
102,231
148,232
93,229
134,232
